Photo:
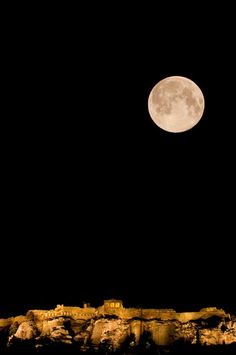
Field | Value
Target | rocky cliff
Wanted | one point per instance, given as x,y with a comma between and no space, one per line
106,330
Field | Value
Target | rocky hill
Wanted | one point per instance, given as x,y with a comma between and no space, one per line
113,328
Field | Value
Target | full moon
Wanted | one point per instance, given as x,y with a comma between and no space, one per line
176,104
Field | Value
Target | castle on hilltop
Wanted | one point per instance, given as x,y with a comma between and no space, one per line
113,323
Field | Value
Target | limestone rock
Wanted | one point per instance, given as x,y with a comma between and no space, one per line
55,330
88,328
113,331
26,330
48,326
61,334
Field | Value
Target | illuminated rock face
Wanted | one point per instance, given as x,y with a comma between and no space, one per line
112,326
26,330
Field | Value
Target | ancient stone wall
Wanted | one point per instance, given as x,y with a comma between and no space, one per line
62,311
161,324
126,313
113,324
184,317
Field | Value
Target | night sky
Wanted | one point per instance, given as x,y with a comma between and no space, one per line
97,201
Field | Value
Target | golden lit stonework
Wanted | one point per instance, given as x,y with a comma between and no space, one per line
90,328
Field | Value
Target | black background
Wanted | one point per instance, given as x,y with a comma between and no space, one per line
98,202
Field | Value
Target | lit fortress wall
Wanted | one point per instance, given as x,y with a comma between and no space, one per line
116,308
114,323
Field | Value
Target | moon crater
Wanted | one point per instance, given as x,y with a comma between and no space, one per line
176,104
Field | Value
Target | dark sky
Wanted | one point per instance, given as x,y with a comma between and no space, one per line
98,202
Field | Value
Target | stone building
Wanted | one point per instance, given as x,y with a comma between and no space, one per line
112,304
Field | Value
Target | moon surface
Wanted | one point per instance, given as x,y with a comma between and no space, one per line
176,104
